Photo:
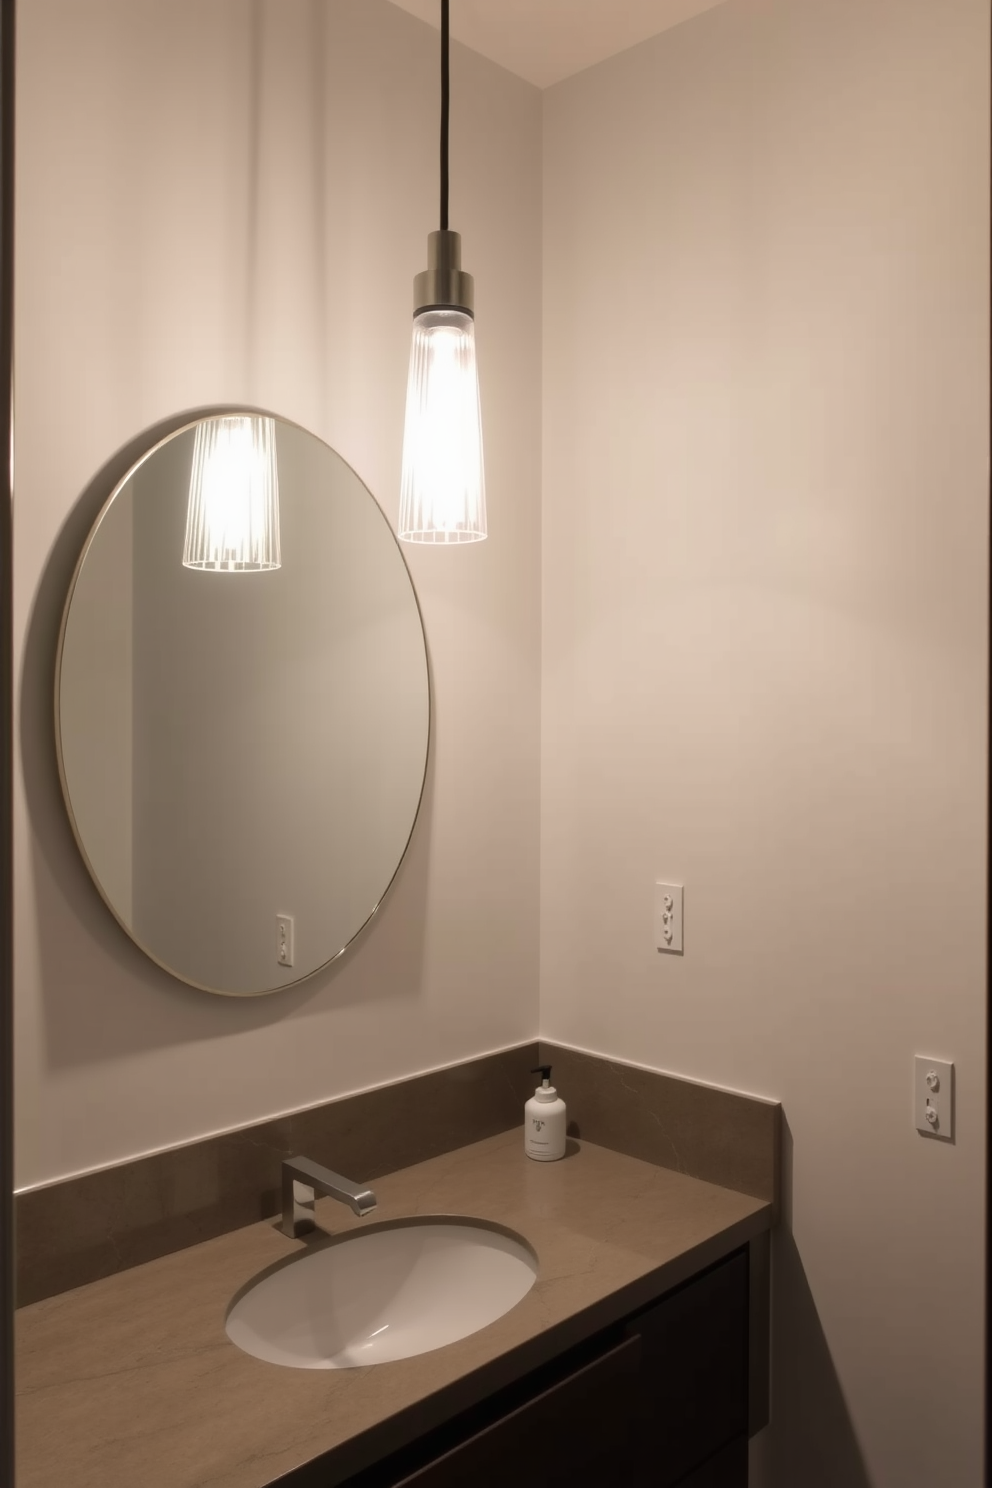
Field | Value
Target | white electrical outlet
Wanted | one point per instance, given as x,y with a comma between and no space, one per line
933,1096
668,917
284,940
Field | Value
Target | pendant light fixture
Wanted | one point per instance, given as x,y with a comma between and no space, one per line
232,519
443,488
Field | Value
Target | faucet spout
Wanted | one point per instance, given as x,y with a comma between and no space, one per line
302,1180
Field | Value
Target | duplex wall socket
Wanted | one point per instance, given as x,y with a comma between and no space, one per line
933,1097
284,940
668,917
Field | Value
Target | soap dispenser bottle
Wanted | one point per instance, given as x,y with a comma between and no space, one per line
544,1120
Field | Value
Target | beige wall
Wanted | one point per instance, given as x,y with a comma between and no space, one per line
765,510
221,200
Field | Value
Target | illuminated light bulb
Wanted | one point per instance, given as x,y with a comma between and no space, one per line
443,486
232,520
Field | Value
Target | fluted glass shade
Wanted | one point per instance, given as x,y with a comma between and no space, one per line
443,489
232,520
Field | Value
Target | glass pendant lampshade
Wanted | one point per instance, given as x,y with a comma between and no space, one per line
443,484
443,487
232,520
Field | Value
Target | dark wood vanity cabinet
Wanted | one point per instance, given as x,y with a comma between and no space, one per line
658,1400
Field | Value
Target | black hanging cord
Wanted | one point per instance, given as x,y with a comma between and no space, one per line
445,95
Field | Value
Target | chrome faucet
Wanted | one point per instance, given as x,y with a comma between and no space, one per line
302,1180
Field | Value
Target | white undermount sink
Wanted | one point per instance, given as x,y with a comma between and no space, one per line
383,1293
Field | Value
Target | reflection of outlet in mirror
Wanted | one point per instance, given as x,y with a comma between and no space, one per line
668,917
933,1096
284,940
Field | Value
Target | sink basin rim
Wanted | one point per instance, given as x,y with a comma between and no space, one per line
320,1239
422,1319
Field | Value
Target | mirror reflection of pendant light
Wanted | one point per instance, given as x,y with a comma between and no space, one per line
232,520
443,488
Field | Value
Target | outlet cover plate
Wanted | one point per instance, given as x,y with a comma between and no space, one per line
668,918
939,1101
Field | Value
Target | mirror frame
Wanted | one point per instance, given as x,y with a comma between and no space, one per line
190,422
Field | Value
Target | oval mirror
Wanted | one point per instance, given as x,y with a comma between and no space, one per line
242,753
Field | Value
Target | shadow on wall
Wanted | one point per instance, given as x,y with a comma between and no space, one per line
100,994
810,1442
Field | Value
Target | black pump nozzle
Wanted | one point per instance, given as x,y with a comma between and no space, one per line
544,1070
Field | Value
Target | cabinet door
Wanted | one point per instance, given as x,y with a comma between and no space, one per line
575,1432
728,1469
691,1397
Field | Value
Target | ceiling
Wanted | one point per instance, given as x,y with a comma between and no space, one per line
547,40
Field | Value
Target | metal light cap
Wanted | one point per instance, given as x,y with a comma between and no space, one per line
443,285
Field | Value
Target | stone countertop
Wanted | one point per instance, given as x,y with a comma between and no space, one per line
133,1379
